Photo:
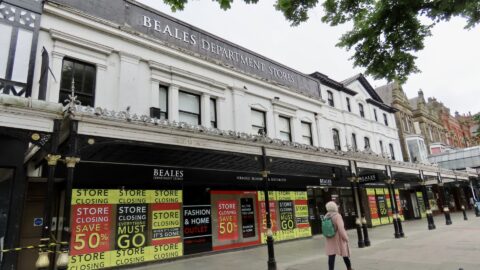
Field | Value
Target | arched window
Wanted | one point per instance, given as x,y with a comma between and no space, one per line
354,142
336,139
366,141
392,154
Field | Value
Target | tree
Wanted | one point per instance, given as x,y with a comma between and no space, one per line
385,34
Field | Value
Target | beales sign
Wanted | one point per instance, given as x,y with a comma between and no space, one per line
130,15
167,174
182,35
215,48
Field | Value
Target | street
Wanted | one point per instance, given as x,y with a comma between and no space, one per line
446,248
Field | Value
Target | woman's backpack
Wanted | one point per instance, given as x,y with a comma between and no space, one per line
328,229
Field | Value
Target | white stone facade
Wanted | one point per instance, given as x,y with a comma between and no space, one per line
131,66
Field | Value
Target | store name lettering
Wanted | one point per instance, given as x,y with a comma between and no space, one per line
325,182
366,178
221,51
167,174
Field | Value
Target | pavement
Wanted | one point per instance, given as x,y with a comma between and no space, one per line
452,247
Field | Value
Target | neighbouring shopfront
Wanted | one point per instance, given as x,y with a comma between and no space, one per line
379,207
319,196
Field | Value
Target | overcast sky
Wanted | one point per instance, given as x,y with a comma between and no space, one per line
450,62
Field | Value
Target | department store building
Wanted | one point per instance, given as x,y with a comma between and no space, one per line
134,137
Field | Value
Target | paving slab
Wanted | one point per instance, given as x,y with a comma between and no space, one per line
445,248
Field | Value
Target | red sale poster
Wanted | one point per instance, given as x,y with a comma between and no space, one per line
227,220
273,216
90,228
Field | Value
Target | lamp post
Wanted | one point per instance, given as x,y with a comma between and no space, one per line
271,263
358,219
475,200
366,239
446,211
71,161
431,223
392,206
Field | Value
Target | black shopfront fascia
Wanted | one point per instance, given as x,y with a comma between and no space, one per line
134,176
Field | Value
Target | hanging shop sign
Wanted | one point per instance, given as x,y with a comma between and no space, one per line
197,228
111,227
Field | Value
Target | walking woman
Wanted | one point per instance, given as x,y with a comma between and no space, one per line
338,244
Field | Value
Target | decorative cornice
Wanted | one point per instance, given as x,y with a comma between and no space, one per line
75,40
82,113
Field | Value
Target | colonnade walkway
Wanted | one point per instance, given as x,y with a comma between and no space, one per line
446,248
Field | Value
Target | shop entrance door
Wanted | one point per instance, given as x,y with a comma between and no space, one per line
317,198
416,212
6,176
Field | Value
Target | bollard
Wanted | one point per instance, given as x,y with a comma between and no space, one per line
464,213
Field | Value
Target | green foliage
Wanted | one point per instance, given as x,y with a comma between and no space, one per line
385,34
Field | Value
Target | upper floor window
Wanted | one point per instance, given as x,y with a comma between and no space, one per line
258,122
381,147
336,139
348,104
405,123
330,98
78,76
354,142
392,153
285,131
375,114
213,112
189,108
163,104
385,119
366,141
360,108
307,133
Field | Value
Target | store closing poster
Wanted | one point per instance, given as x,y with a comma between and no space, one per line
111,227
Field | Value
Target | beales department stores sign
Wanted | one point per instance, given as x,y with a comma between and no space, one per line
174,32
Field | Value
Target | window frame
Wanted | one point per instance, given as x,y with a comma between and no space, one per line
310,139
392,152
180,92
385,119
375,114
164,87
288,119
354,142
336,139
264,114
213,123
366,143
381,146
330,98
361,110
349,108
77,91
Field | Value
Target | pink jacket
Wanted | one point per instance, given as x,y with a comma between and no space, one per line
337,245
